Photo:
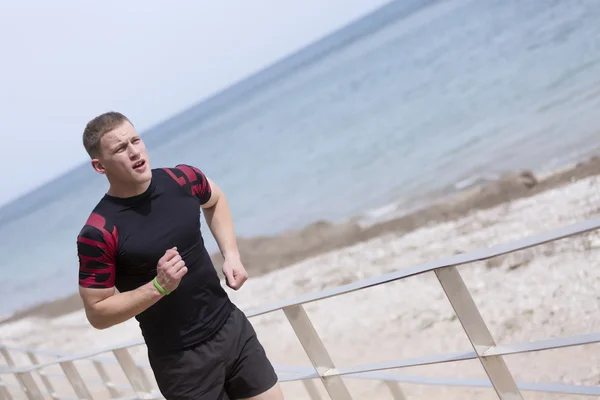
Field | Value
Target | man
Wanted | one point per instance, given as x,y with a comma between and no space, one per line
143,239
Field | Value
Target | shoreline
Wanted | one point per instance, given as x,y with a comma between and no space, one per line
538,293
264,254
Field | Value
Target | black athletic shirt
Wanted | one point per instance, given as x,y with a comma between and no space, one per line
123,239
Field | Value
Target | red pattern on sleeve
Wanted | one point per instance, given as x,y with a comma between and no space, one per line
97,250
193,180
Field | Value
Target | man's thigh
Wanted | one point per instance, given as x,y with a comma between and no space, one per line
194,374
274,393
250,374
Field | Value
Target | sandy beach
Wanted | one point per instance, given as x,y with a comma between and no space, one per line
545,292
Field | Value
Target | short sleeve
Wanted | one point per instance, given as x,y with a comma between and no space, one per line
96,250
197,181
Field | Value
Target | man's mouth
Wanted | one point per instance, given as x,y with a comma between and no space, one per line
139,164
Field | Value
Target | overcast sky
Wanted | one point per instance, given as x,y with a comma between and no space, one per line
65,61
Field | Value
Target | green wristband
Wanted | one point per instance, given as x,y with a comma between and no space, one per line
160,288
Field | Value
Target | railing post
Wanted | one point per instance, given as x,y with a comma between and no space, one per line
4,393
106,379
75,379
42,375
478,333
311,389
25,378
29,386
135,375
395,390
314,348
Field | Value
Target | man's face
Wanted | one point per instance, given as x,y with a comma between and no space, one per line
123,156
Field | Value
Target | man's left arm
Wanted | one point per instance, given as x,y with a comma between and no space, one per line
219,220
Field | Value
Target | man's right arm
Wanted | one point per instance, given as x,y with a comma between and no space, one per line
104,308
96,249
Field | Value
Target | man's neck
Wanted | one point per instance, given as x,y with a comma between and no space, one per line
127,190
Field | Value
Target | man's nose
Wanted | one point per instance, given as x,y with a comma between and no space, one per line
133,152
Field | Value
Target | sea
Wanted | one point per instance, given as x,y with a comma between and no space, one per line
391,112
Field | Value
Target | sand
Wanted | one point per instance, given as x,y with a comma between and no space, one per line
545,292
262,255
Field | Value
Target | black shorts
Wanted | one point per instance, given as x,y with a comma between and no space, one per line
231,365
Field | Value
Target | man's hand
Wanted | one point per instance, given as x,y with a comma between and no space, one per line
234,272
170,269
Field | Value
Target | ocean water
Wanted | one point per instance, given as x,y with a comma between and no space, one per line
457,91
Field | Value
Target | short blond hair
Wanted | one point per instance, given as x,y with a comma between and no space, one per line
98,127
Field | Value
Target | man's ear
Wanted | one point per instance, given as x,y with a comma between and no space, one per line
98,167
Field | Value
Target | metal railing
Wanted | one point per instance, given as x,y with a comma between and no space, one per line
32,378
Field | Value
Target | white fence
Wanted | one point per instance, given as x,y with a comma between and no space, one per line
34,383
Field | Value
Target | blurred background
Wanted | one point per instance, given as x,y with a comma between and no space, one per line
353,138
309,111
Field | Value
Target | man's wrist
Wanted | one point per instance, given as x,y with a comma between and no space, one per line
159,287
231,255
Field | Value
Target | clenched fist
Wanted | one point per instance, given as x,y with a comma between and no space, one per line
235,273
170,269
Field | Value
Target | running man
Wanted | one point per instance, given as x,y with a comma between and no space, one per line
143,239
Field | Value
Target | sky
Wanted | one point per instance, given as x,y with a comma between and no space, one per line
65,61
